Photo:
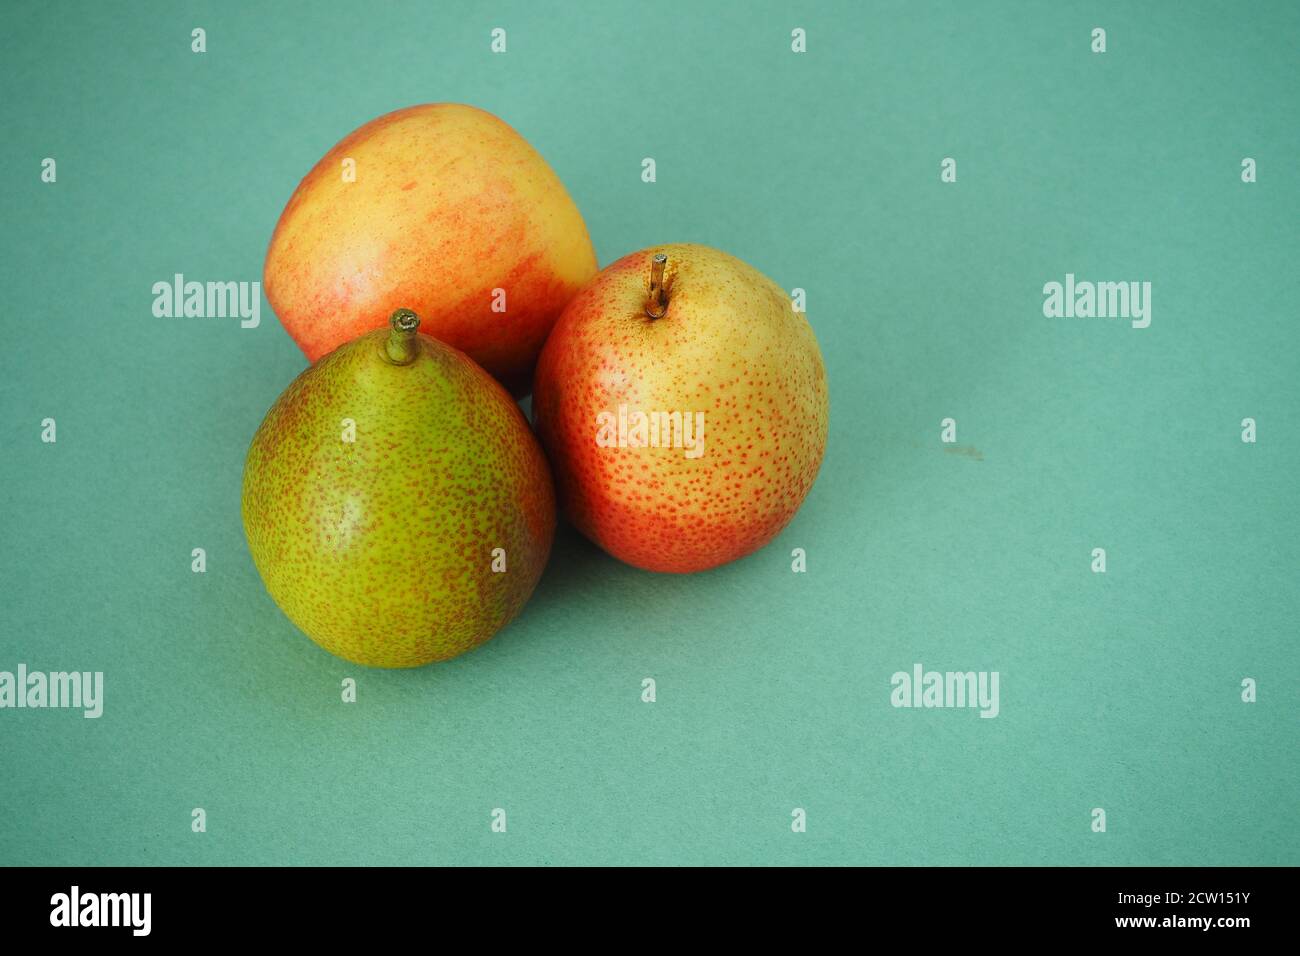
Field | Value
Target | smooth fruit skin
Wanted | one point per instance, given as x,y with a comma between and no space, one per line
381,549
449,203
730,345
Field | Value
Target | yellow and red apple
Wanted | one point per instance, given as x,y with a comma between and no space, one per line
440,208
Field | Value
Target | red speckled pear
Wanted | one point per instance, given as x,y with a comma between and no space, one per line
440,208
731,390
396,503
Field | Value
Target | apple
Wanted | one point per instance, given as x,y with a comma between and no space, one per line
440,208
683,404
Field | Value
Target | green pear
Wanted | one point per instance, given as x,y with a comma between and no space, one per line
396,503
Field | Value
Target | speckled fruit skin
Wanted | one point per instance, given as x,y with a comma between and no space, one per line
731,346
381,549
449,203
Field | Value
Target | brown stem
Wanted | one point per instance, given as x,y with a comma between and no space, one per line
402,344
657,304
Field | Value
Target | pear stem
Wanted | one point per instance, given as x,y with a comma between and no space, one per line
656,305
402,345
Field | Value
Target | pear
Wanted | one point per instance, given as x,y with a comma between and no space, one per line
442,208
395,501
683,402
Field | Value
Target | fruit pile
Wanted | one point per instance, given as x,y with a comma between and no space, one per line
432,266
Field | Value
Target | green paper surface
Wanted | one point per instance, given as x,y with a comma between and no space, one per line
1119,690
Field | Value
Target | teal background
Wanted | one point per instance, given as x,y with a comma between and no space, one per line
1119,691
